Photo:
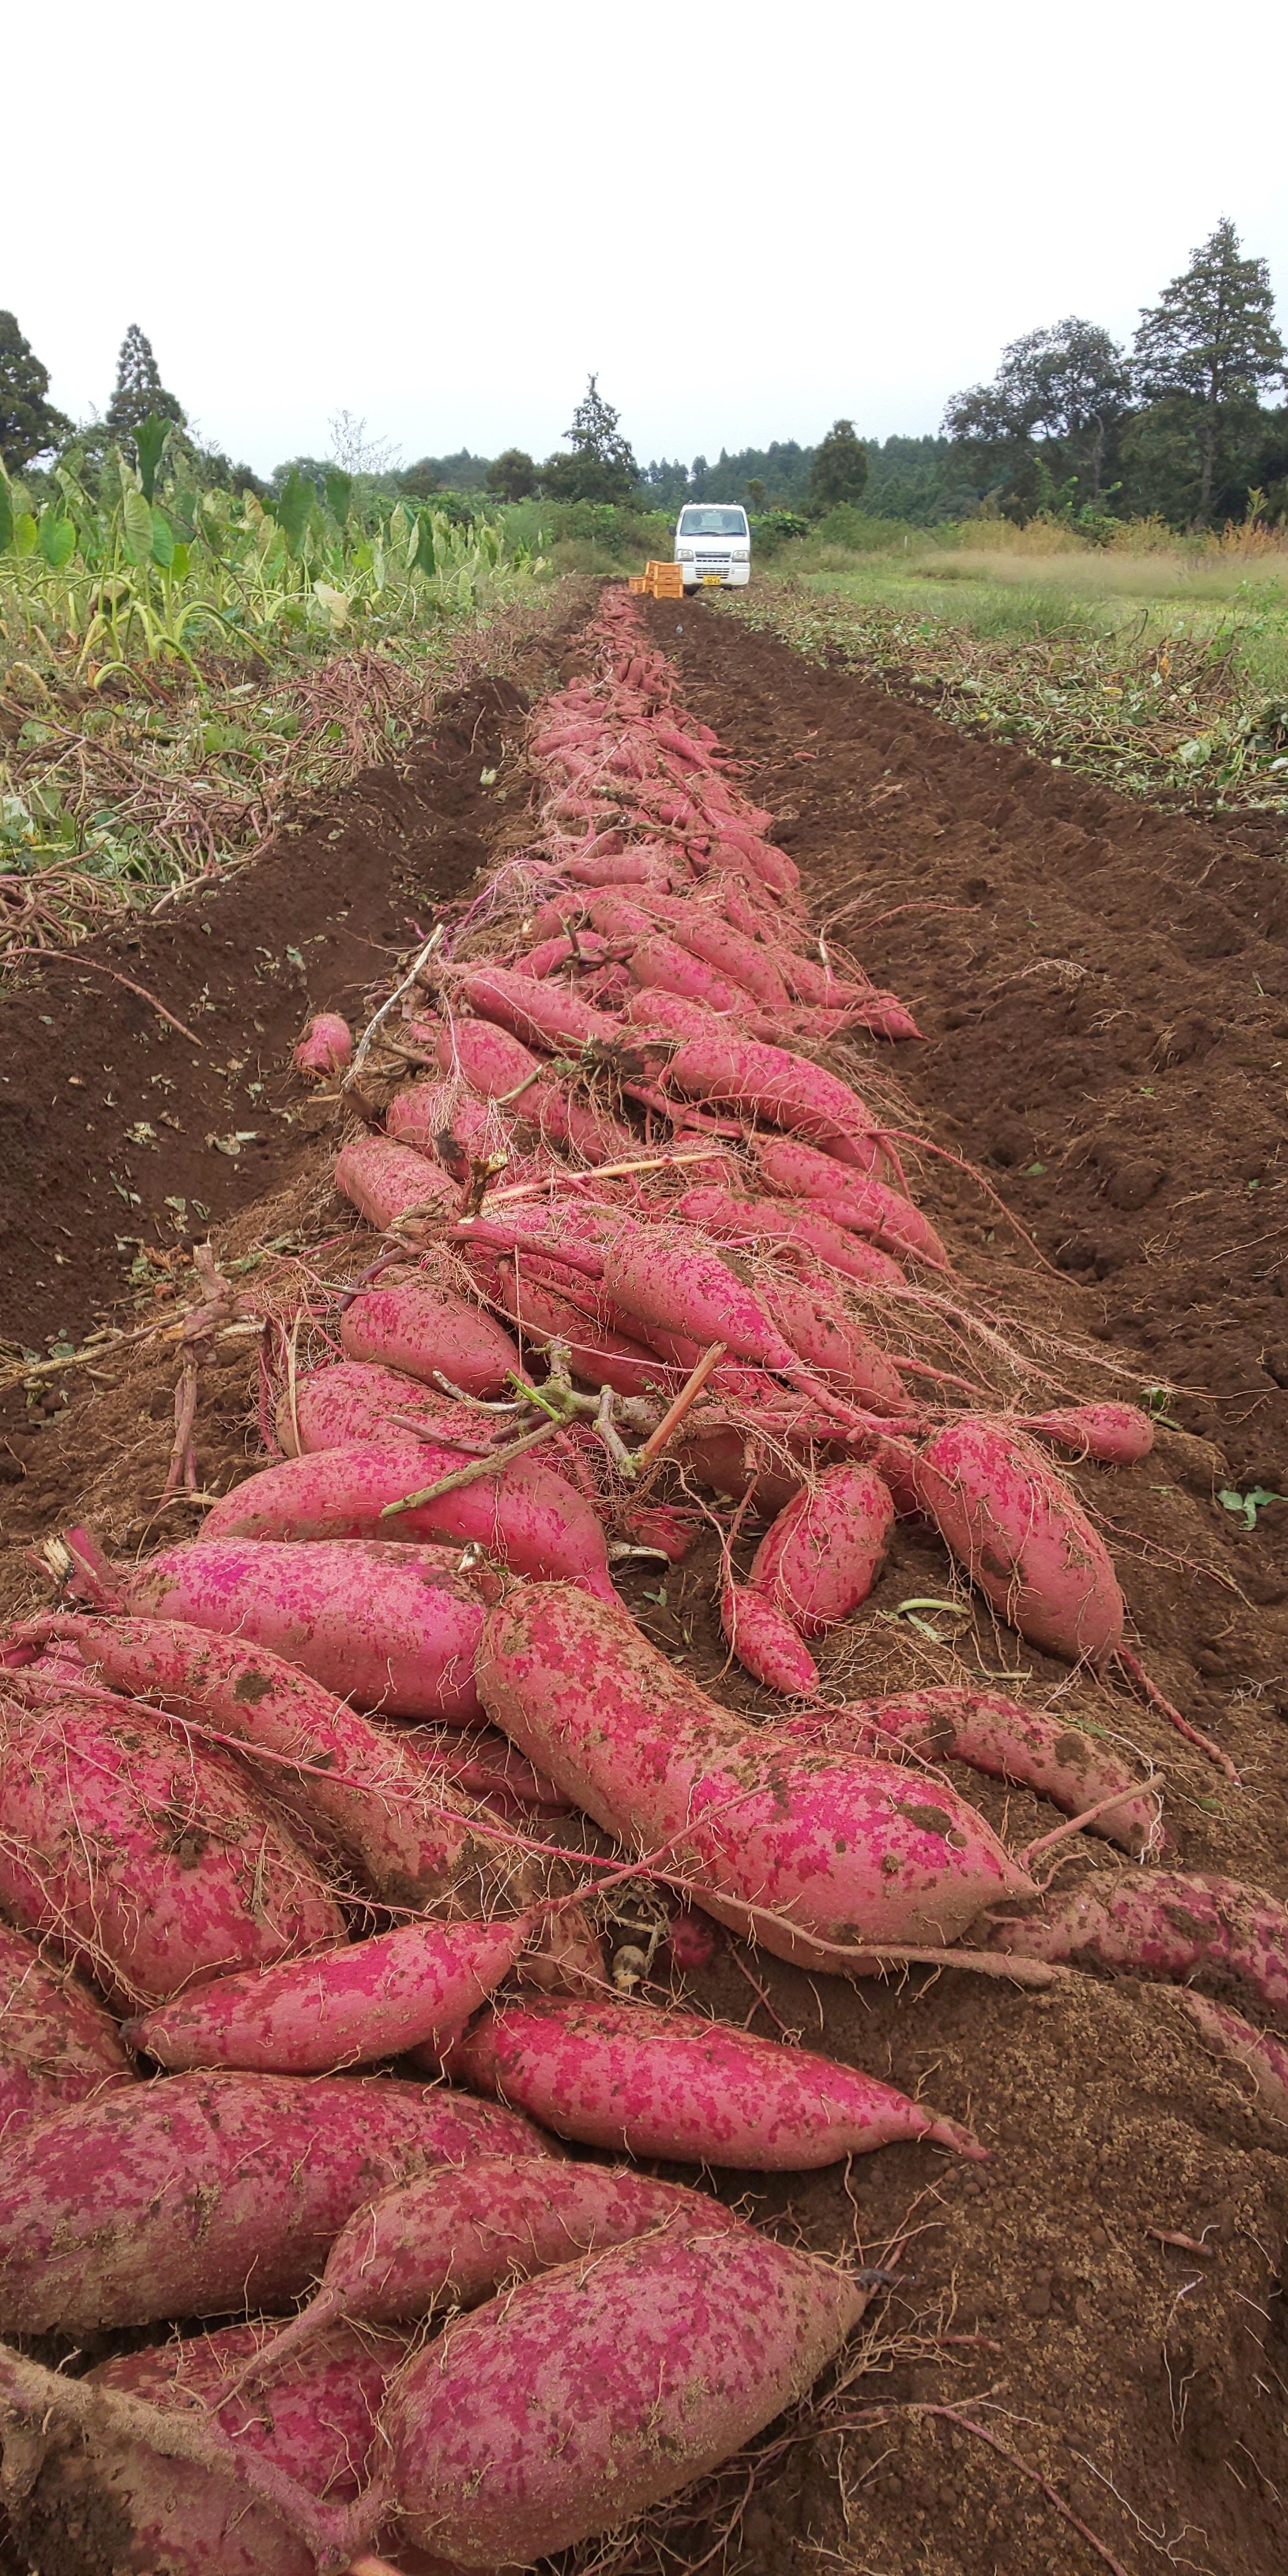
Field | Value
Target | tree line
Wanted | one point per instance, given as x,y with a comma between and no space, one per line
1072,426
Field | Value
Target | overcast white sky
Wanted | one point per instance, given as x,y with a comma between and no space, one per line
747,219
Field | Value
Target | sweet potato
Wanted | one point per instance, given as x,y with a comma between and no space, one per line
148,1862
1022,1536
549,1016
525,1514
663,1275
1118,1435
766,1643
387,1820
597,1352
809,1313
453,2236
822,1555
799,1221
201,2195
57,2045
392,1626
832,1850
325,1047
1263,2058
320,2426
337,2008
362,1400
448,1123
663,962
1160,1923
386,1181
723,1456
998,1737
428,1332
770,1082
569,2404
858,1202
744,962
481,1763
665,2083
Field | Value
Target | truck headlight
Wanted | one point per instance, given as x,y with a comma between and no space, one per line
684,554
741,554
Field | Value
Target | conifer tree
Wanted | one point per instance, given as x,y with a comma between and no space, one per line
1211,336
29,424
139,392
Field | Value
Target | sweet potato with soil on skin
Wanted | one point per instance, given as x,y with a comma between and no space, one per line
351,1400
625,867
740,961
57,2045
1263,2058
770,1082
379,1807
148,1861
338,2008
524,1513
662,961
858,1202
571,2403
325,1047
1160,1923
823,1553
671,2084
723,1457
482,1763
392,1626
997,1736
448,1124
428,1332
766,1643
386,1181
202,2195
453,2238
598,1354
797,1221
1022,1536
842,1850
320,2423
1117,1435
809,1313
542,1015
666,1276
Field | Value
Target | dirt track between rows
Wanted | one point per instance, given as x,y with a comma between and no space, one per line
1104,993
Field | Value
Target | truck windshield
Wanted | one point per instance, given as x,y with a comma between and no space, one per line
712,523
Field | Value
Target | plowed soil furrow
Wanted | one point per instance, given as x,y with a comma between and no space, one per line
1101,989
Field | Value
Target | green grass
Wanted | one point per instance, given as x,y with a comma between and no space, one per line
1161,666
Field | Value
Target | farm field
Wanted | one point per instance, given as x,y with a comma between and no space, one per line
1076,2353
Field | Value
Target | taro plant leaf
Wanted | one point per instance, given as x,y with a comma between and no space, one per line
425,541
6,512
138,525
162,541
179,566
339,493
337,604
295,509
56,538
24,533
149,439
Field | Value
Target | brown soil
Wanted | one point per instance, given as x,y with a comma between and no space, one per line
1104,1002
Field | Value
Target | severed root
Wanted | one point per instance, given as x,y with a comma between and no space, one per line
1264,2059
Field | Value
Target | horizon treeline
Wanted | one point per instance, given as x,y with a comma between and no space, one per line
1072,426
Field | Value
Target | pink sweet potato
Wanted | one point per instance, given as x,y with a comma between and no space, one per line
449,1123
766,1643
770,1082
664,1275
808,1310
549,1016
428,1332
569,2404
325,1047
337,2008
362,1400
148,1862
1022,1536
663,962
1119,1435
392,1626
57,2045
804,1847
798,1221
202,2195
525,1514
386,1181
320,2427
664,2083
857,1201
597,1352
1160,1923
1007,1742
1263,2058
453,2236
744,962
823,1553
393,1825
